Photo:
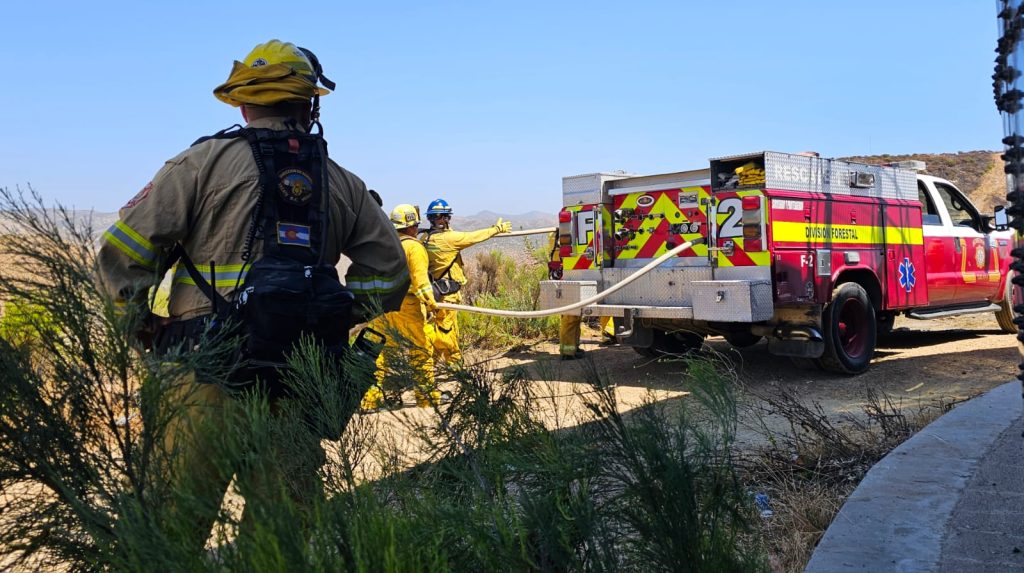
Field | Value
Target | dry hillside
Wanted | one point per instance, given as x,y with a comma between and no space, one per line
979,174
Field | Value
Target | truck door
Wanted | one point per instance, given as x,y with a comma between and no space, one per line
971,247
941,255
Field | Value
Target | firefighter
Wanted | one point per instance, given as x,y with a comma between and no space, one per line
570,324
407,328
204,200
444,248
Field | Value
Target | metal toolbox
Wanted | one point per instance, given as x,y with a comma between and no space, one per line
732,301
589,189
554,294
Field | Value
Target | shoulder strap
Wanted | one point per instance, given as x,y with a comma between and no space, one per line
226,133
220,304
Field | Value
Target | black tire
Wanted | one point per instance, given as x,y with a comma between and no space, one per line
1004,316
742,339
850,330
885,321
675,343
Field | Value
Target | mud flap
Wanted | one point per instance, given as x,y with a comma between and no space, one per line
803,342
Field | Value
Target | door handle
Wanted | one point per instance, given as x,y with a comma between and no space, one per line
956,243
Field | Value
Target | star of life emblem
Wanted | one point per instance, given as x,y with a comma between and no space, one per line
907,275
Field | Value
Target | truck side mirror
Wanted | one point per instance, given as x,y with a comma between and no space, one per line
1001,219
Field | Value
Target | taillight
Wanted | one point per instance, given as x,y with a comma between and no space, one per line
564,252
752,214
564,227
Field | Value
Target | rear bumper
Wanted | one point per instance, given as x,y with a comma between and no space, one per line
741,301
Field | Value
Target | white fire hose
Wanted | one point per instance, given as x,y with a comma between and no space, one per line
525,232
585,302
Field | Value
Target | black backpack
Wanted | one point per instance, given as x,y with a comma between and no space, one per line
290,291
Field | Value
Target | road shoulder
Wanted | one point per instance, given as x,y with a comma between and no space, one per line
897,518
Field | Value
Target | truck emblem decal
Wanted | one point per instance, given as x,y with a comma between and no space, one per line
907,278
645,201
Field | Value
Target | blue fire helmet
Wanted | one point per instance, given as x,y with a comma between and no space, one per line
439,207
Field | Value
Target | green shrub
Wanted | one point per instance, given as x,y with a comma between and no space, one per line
503,283
83,473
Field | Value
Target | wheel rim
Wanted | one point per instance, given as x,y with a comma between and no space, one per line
852,325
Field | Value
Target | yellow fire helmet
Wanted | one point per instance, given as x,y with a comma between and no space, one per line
405,215
278,52
273,72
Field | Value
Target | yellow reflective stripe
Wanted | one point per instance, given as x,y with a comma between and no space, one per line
134,255
142,241
221,283
375,284
904,236
791,232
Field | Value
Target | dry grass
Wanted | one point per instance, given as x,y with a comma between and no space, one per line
979,174
809,470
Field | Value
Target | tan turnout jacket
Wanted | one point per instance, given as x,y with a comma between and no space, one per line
204,199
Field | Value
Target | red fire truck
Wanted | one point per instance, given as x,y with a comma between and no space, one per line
816,255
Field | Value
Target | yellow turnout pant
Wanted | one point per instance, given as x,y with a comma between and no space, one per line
408,343
202,459
445,331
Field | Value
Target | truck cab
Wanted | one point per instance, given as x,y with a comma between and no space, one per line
818,256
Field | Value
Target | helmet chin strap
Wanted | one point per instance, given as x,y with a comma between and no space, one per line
314,115
318,71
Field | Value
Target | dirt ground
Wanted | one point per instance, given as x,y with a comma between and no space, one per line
919,364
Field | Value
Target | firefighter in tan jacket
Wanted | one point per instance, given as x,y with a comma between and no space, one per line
204,199
444,248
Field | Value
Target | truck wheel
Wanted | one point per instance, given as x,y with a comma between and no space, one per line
671,343
885,320
1004,316
850,330
742,339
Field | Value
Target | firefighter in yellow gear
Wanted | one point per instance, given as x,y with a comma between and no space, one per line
569,334
407,328
444,248
570,324
203,200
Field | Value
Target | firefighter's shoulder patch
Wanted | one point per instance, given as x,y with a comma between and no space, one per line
139,196
296,186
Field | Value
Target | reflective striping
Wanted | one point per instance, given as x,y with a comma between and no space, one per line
815,234
653,242
376,285
228,276
423,291
740,257
129,242
904,236
135,236
818,234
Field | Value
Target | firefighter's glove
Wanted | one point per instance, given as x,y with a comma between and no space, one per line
503,226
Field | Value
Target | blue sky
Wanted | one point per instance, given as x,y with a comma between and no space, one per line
489,104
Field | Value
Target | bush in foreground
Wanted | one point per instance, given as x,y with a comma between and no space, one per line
479,484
